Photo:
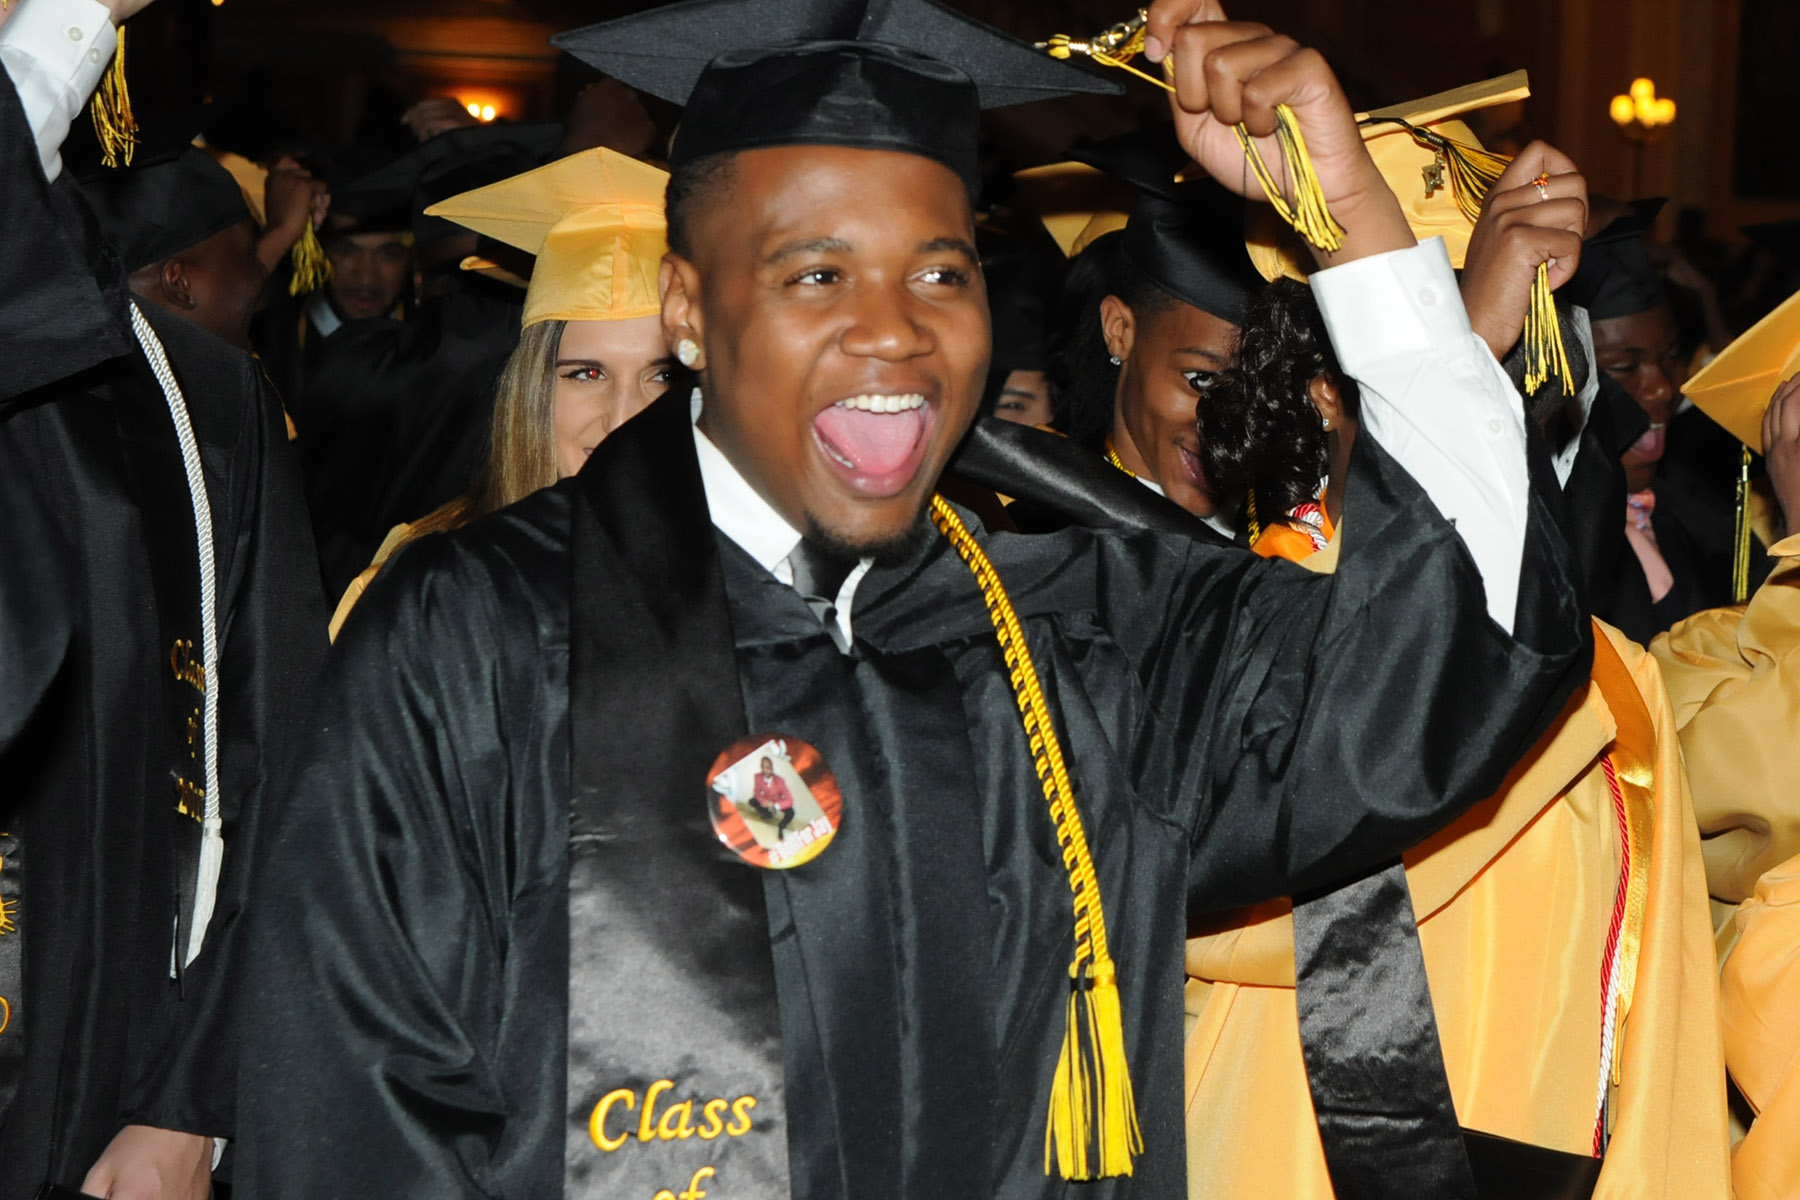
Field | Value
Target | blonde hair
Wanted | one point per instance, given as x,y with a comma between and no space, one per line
521,456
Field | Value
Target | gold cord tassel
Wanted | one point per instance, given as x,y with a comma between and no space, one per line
1092,1131
1250,519
1740,557
1545,354
312,270
114,125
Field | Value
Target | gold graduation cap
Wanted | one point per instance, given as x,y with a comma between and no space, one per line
1735,387
1077,203
1422,150
594,220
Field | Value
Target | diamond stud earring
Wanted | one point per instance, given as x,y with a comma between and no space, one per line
688,351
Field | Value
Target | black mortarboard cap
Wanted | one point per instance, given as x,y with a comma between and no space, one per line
1185,237
395,195
164,203
1616,277
906,75
1023,284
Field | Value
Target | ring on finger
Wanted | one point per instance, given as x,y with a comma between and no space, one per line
1542,184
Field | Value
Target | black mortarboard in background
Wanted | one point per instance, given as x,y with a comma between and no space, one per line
1185,237
395,195
1616,277
1023,284
172,197
905,75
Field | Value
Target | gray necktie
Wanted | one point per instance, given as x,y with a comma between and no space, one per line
818,577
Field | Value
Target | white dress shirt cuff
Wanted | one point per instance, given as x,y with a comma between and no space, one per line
56,51
1436,399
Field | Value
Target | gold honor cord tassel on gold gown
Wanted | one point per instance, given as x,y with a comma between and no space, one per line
114,125
312,270
1093,1130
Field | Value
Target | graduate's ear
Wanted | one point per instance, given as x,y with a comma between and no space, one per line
172,282
682,320
1118,326
1325,395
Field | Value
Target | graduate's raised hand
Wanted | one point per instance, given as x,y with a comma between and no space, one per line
1230,72
1781,450
1523,223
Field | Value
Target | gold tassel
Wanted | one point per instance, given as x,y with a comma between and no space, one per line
1545,353
312,270
1092,1130
114,125
1250,518
1740,558
1307,212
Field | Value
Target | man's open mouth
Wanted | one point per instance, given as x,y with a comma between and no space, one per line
875,442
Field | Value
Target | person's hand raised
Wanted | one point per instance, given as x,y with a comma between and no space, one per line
1230,72
1781,450
1521,227
438,114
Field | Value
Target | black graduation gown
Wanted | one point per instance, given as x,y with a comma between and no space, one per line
1239,728
396,418
109,1038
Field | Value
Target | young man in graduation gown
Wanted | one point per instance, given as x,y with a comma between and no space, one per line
397,413
134,777
501,948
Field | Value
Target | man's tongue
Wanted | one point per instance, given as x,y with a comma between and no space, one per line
874,443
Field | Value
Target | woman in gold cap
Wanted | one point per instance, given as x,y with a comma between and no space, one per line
592,354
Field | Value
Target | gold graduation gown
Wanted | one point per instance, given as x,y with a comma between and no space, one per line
1759,994
1514,902
1733,676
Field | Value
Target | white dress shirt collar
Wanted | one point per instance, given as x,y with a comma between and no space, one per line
741,514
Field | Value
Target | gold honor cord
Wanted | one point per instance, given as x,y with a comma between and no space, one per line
1112,456
115,127
1250,519
1092,1091
312,270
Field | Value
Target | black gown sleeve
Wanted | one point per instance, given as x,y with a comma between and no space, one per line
1349,716
62,293
380,931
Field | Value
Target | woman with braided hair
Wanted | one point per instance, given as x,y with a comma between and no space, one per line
1279,425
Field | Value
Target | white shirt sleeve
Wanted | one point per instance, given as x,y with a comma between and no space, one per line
1436,399
56,51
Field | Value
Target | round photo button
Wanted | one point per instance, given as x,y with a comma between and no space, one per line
773,801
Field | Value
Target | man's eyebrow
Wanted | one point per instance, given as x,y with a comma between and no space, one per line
1203,352
824,245
1017,391
955,245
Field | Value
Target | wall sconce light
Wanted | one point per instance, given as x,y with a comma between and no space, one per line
480,111
1641,110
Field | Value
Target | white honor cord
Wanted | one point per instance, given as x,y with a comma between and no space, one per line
212,840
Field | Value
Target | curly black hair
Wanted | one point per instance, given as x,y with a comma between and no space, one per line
1081,371
1259,429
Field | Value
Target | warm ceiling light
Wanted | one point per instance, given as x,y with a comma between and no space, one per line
1642,107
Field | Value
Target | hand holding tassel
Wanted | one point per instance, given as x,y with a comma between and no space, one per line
1295,122
1525,246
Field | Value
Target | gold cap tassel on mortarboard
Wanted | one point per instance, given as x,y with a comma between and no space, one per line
114,125
1093,1130
1470,171
312,270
